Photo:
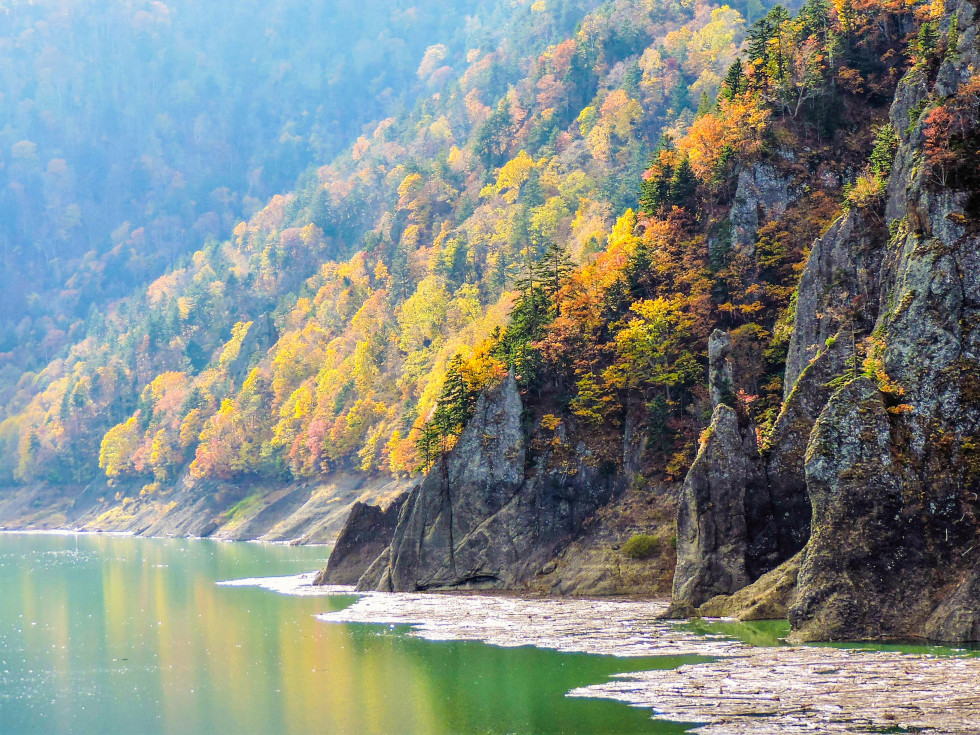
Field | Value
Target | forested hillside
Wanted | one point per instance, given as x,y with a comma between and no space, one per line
135,131
538,142
579,197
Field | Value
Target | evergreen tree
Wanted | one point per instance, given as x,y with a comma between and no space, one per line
632,79
759,36
926,42
456,401
683,185
883,154
779,61
734,82
553,269
814,19
953,39
704,106
532,195
655,186
428,445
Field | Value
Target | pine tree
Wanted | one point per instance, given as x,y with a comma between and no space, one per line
632,79
814,19
759,36
926,42
428,445
734,82
953,38
553,269
683,185
883,154
655,186
456,401
704,106
776,18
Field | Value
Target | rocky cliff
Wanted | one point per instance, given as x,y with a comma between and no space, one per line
853,506
487,515
878,429
366,534
891,466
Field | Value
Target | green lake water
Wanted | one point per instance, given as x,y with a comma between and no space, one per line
103,634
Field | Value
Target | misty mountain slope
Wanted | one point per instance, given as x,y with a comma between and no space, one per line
135,131
446,203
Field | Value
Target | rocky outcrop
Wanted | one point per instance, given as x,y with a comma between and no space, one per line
712,537
368,532
858,547
783,527
721,381
598,561
891,467
483,518
762,193
768,598
259,337
838,289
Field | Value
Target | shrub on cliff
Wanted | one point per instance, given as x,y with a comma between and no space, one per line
642,546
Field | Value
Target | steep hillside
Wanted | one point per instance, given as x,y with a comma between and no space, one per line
317,339
845,494
135,131
633,263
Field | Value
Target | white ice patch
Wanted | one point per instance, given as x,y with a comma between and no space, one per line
296,584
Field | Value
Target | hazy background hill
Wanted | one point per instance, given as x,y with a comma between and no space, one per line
133,131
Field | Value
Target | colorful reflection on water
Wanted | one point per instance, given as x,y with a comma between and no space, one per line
103,634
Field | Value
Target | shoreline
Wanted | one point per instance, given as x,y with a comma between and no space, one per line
135,534
738,689
63,532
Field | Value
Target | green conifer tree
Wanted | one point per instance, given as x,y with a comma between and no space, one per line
734,82
553,269
683,185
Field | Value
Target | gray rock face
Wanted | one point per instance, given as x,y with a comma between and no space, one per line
762,193
721,381
712,538
958,617
857,552
785,529
482,518
838,288
895,546
768,598
368,531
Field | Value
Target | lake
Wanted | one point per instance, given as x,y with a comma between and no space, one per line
113,634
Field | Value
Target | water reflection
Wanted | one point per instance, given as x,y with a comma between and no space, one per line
117,635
